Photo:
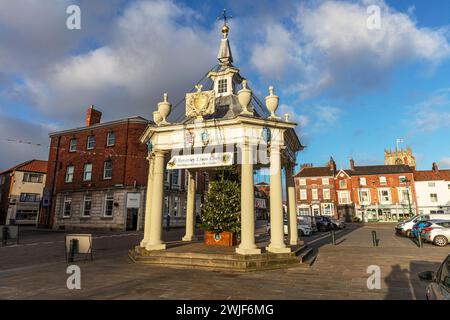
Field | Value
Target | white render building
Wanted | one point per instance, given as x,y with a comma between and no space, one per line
433,190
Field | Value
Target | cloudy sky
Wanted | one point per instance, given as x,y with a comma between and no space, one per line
353,90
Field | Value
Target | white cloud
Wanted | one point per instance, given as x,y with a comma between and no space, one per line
431,114
149,53
341,54
444,162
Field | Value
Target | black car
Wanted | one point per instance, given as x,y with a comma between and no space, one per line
323,223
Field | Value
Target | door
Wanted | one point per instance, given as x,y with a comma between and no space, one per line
132,217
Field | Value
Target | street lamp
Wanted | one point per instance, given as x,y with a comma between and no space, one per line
407,193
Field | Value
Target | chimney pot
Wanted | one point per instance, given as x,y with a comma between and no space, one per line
352,164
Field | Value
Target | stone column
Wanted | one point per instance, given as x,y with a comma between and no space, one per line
148,202
277,244
247,245
190,208
291,204
155,239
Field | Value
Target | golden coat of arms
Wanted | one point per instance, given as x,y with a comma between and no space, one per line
200,103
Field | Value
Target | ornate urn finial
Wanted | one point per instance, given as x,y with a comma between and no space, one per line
244,97
164,109
272,103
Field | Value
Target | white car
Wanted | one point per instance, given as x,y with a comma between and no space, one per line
405,227
438,232
303,229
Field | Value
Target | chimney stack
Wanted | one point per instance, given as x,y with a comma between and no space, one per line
352,164
93,116
435,167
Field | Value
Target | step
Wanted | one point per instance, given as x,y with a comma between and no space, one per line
233,262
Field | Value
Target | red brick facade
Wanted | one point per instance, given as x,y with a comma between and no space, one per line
129,167
383,192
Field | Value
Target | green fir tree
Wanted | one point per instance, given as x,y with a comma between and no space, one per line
222,206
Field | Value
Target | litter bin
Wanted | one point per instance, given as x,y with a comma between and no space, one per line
5,233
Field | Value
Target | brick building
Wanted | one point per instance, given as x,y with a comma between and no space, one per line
97,175
21,189
315,191
376,193
371,193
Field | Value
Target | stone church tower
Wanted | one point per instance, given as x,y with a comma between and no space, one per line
399,156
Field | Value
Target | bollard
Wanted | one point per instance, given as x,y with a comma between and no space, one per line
333,237
5,236
73,248
419,239
374,238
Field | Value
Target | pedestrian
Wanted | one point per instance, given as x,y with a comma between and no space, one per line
168,221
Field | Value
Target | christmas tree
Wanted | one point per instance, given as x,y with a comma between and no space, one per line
222,206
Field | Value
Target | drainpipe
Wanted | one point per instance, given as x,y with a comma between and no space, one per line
50,210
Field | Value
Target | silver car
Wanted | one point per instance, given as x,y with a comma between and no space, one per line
439,286
437,232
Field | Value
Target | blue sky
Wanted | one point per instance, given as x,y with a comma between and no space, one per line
353,91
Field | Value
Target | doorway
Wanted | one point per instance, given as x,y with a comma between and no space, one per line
132,219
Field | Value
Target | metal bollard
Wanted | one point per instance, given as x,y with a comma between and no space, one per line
5,236
73,248
374,238
333,237
419,239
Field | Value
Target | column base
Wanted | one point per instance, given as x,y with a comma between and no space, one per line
155,247
248,251
278,250
143,243
293,242
189,238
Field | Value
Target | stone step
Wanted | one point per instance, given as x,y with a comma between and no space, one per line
232,262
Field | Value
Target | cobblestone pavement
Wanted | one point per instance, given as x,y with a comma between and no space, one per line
339,272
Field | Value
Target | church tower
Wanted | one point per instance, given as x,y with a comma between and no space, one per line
399,156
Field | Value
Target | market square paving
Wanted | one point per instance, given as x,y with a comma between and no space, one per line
35,269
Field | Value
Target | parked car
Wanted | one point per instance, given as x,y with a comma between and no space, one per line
303,229
323,223
405,227
308,220
439,286
438,232
337,224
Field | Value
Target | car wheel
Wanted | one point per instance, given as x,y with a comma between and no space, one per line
408,233
440,241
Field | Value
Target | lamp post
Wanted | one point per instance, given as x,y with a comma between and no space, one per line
407,193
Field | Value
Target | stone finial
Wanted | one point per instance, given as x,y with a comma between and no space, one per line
164,109
272,103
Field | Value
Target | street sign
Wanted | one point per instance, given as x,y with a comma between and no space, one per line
133,200
203,160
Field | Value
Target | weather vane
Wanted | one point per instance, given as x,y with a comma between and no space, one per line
224,17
